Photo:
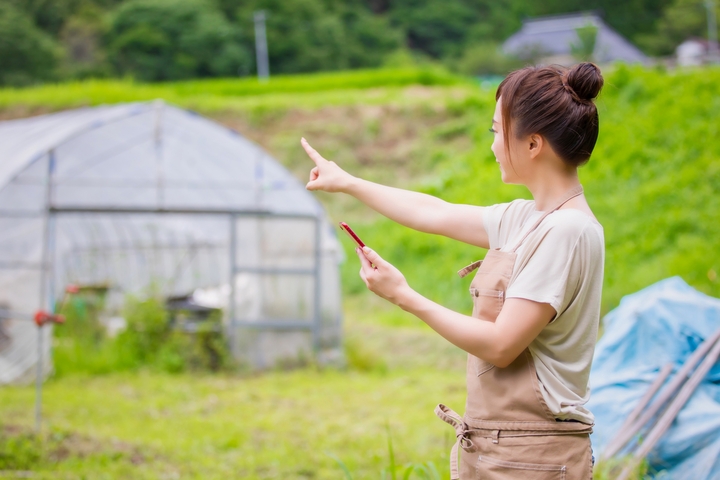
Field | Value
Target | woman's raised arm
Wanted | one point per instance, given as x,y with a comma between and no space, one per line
418,211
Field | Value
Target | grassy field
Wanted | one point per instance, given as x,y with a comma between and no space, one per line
278,94
304,424
281,424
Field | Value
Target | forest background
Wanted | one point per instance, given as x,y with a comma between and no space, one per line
160,40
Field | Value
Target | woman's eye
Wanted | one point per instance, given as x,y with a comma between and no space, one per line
491,130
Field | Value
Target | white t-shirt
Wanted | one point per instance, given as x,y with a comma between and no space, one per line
560,263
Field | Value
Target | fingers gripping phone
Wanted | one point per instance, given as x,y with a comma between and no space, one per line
344,226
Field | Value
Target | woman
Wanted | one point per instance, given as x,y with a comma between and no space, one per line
536,294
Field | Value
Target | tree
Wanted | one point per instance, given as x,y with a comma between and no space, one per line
27,54
436,28
174,39
312,35
81,36
681,20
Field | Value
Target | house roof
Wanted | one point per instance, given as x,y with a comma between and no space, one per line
554,35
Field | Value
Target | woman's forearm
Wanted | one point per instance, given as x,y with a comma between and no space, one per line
475,336
415,210
418,211
499,342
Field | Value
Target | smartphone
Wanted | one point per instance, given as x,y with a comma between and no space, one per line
348,230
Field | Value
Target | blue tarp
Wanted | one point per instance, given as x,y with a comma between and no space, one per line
662,323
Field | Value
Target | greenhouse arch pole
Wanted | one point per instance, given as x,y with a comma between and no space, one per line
158,147
231,303
46,292
317,317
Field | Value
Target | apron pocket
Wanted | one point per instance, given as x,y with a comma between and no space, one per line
487,303
488,468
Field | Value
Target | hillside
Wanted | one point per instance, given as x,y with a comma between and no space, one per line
652,181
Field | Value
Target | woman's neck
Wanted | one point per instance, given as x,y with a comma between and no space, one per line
549,189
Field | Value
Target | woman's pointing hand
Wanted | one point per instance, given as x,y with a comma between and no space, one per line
326,175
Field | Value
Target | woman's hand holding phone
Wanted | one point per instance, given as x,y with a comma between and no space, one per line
326,175
382,278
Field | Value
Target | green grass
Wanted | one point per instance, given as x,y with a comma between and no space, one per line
227,93
277,425
304,424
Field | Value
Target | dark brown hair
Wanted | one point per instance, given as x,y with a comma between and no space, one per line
555,102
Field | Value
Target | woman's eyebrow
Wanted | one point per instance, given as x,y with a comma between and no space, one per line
495,121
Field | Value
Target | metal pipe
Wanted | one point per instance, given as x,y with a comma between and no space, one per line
231,302
289,324
624,437
189,211
261,49
10,315
276,271
157,144
713,52
645,400
317,288
669,416
43,290
20,265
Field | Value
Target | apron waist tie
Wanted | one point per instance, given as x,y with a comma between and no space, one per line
462,433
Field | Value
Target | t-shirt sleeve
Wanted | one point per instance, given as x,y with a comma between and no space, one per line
503,220
553,267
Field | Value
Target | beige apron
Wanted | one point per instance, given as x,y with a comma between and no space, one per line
508,431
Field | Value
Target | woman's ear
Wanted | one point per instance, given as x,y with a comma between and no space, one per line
535,145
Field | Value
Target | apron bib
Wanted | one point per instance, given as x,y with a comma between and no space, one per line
508,431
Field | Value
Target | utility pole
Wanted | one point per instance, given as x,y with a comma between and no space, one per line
713,52
261,50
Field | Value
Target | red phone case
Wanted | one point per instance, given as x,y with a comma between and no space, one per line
344,226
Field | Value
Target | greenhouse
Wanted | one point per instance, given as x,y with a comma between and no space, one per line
146,195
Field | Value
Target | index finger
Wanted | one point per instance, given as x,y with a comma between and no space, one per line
312,153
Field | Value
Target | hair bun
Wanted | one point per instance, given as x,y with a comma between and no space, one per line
586,80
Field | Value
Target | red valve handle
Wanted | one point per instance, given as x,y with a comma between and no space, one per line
42,317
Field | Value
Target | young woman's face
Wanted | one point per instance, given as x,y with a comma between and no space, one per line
498,145
510,171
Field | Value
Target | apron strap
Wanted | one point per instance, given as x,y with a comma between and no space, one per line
463,272
461,433
574,192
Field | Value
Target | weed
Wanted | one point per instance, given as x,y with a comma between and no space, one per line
362,359
19,450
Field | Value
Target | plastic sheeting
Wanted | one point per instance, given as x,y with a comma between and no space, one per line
663,323
147,194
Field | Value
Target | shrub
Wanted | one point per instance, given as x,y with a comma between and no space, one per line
150,340
28,54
